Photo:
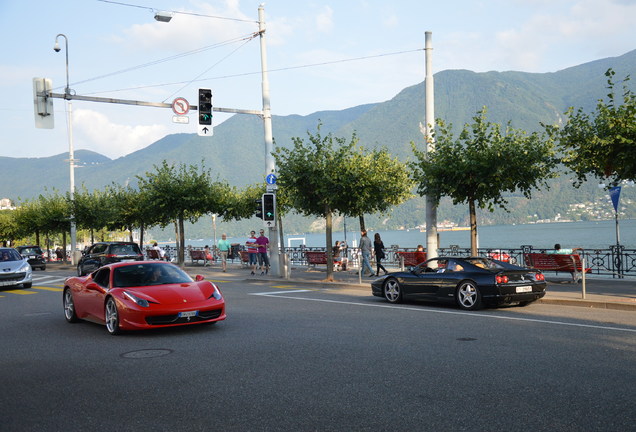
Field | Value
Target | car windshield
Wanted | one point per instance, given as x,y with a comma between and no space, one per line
148,274
125,249
485,263
30,251
10,255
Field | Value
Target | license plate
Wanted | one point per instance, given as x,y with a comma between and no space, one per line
188,314
522,289
31,257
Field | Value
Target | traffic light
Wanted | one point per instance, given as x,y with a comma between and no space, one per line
269,207
259,208
205,106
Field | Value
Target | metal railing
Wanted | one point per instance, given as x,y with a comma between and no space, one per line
614,261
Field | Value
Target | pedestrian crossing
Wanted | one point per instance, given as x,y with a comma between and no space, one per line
41,283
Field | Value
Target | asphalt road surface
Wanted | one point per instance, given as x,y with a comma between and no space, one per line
296,358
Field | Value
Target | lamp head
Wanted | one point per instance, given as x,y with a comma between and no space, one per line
56,48
163,16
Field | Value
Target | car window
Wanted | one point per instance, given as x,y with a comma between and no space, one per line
10,255
98,248
485,263
148,275
102,277
124,249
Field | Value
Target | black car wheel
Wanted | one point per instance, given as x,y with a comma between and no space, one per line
112,317
69,306
27,285
468,296
392,290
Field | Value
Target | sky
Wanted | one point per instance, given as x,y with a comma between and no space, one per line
321,55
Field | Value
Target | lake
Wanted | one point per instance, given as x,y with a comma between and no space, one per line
587,235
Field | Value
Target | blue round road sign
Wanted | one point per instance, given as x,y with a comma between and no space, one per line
270,179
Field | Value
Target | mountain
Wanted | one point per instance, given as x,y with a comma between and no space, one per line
524,99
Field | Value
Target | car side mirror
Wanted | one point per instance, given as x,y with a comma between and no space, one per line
199,278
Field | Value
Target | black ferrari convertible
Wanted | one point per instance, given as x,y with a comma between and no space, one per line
470,282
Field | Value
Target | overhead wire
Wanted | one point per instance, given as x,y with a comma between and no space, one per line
259,72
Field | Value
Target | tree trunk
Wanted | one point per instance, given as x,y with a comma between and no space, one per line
473,228
362,226
181,242
329,241
141,236
64,247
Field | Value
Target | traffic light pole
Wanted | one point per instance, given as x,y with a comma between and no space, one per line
274,246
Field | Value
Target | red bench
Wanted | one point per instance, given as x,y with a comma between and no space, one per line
410,258
198,255
153,254
316,257
245,258
570,263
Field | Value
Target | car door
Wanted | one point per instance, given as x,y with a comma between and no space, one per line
95,291
426,279
92,260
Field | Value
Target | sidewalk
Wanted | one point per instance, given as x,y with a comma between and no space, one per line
617,294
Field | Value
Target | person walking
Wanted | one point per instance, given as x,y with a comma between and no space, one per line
378,249
224,249
252,250
365,250
263,260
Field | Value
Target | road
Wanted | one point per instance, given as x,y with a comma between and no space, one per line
296,358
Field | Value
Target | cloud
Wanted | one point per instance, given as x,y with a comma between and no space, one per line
94,131
324,20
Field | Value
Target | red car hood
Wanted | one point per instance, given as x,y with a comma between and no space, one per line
175,293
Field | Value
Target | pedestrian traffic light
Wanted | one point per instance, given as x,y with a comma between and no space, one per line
205,106
259,208
269,207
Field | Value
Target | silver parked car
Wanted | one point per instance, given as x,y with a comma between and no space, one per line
14,269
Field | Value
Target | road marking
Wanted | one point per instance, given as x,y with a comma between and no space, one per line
277,294
21,292
48,288
274,293
48,279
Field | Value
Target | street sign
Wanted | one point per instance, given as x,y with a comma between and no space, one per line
204,130
180,106
270,179
269,224
42,106
180,119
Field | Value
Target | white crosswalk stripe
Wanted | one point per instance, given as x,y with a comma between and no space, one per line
47,279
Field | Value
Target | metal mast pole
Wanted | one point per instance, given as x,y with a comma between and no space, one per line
274,247
431,205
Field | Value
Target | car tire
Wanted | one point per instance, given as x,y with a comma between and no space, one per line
69,306
392,290
80,271
27,285
468,296
111,316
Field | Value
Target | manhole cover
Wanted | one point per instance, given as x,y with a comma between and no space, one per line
146,353
466,339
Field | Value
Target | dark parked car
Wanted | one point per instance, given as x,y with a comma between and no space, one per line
469,282
103,253
34,255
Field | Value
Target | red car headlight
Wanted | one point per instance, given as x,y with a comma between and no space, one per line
141,302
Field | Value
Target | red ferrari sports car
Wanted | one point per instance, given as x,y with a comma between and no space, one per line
142,295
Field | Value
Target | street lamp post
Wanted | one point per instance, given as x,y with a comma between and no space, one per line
71,151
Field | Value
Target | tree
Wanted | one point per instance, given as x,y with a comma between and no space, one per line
481,164
332,175
602,144
184,193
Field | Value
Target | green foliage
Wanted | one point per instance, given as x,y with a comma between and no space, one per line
602,144
482,164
